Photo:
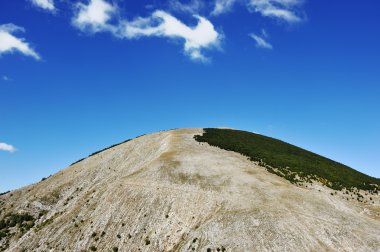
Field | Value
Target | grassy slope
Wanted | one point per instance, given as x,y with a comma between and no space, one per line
288,159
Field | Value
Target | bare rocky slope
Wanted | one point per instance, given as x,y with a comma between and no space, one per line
167,192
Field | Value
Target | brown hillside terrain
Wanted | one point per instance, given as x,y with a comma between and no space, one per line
166,192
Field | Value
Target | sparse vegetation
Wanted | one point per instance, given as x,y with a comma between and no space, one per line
147,241
78,161
96,152
109,147
3,193
46,222
23,221
12,224
288,161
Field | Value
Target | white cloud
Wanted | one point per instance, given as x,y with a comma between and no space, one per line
285,10
94,16
9,43
261,41
280,9
222,6
193,6
7,147
44,4
162,24
97,14
6,78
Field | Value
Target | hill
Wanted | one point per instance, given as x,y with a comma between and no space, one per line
168,192
289,161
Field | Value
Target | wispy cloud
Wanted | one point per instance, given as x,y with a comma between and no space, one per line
285,10
5,78
94,16
44,4
222,6
261,40
7,147
162,24
9,43
193,6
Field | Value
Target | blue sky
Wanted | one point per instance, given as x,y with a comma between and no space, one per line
78,76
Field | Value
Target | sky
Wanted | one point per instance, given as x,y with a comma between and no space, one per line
78,76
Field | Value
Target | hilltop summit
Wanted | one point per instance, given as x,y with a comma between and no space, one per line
196,190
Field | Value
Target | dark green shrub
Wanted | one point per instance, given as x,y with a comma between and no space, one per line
3,193
288,159
2,234
147,241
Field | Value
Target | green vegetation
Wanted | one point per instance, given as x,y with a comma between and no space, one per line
92,154
46,222
115,249
78,161
96,152
3,193
23,221
109,147
147,241
12,224
286,160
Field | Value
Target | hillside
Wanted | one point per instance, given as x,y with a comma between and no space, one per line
167,191
289,161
